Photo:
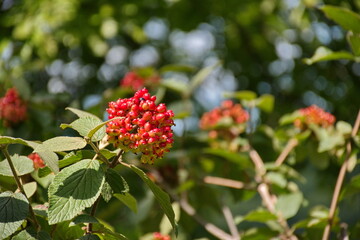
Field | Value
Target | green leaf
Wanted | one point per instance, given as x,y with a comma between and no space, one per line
75,188
107,233
354,42
94,130
84,125
128,200
23,165
242,95
260,215
200,77
81,113
176,68
14,208
289,118
266,102
289,204
344,17
277,178
175,85
31,234
325,54
106,192
116,181
50,159
11,140
59,144
241,159
30,188
343,127
89,237
162,197
85,218
66,230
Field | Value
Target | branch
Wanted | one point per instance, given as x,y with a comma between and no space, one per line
340,180
19,184
293,142
230,222
224,182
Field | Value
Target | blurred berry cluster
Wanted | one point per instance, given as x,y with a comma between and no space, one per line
314,115
144,127
136,82
38,162
229,116
12,108
159,236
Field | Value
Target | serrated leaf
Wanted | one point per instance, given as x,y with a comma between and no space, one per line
60,144
84,125
162,197
89,237
128,200
75,188
266,102
14,208
354,42
30,188
260,215
289,204
31,234
84,218
23,165
51,160
325,54
116,181
346,18
81,113
106,192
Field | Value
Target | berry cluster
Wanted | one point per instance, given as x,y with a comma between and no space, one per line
159,236
227,115
314,115
145,126
136,82
38,162
12,108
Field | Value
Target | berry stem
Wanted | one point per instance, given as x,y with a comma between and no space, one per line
4,150
97,151
340,180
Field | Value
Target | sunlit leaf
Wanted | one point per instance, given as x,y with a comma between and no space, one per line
128,200
59,144
23,165
325,54
346,18
354,41
14,208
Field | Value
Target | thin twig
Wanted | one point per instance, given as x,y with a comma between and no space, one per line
224,182
230,222
117,159
258,162
92,213
97,151
19,184
340,180
293,142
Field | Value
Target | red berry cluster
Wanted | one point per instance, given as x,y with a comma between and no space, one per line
12,108
159,236
145,126
136,82
228,109
38,162
314,115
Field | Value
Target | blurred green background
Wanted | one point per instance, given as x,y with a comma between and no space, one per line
61,53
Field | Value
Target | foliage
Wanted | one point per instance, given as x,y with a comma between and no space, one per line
256,153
